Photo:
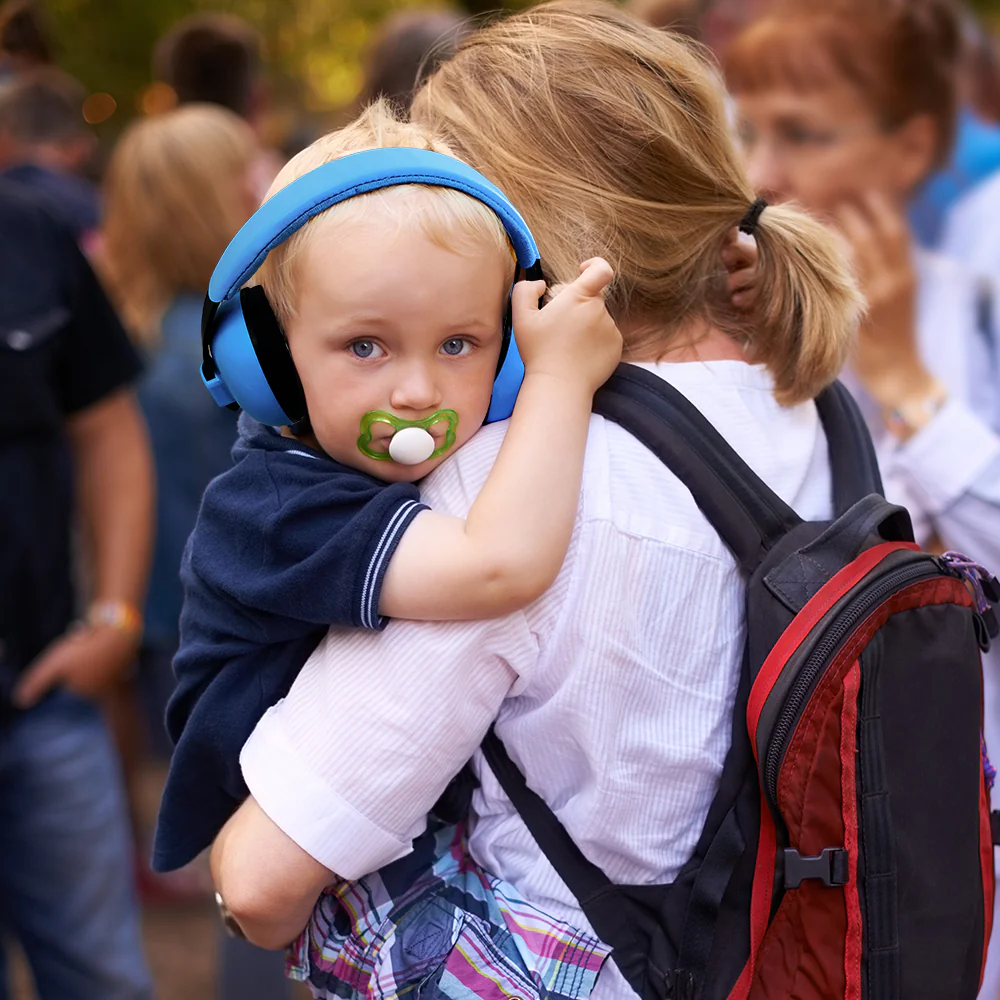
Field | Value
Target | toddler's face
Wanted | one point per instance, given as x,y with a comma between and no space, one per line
388,320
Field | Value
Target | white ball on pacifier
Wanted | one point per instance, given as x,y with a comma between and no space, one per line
411,446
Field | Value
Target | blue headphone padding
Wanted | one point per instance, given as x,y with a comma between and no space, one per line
506,385
359,173
230,345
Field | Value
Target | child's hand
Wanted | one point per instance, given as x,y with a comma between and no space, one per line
571,337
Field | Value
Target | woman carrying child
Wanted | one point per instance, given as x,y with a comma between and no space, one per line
613,691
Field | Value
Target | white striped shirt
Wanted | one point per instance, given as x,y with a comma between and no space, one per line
613,692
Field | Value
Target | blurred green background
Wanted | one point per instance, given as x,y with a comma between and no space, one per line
313,48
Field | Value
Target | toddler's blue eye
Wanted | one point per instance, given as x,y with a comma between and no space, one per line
455,346
364,348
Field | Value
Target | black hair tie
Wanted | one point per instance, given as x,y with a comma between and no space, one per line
748,224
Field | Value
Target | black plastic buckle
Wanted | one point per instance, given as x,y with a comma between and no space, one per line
831,867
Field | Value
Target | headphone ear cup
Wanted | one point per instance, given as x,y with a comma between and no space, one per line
238,374
270,348
510,374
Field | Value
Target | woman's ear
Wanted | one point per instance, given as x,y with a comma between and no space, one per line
917,143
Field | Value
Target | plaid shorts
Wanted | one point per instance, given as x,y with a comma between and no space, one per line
434,925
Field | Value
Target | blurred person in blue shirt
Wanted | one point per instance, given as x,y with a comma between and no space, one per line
976,154
177,189
156,256
45,145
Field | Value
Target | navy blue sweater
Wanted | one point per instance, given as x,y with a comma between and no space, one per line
288,542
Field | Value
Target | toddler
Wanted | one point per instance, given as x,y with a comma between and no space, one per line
392,304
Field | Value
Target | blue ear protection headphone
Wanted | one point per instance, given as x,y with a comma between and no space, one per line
246,361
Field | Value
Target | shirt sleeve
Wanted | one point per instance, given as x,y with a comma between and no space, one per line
97,357
289,538
952,470
972,523
327,542
373,730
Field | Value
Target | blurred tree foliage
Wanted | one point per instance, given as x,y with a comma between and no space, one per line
313,48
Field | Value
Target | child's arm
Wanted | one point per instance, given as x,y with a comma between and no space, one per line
509,549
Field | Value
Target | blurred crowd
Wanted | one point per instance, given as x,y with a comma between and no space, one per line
890,133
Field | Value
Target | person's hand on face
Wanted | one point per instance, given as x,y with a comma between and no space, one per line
572,336
886,358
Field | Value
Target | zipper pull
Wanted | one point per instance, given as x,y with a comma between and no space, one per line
985,591
982,582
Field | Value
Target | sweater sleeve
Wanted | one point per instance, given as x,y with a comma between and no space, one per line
297,538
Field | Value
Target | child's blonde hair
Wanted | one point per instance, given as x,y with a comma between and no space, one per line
449,218
176,191
611,138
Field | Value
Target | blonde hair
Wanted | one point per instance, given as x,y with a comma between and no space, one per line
611,138
448,218
176,192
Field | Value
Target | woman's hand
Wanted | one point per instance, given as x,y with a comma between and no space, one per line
887,360
739,257
268,883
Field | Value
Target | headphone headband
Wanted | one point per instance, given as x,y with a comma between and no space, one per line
246,361
359,173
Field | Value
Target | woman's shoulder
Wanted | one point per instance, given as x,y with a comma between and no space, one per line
738,400
630,491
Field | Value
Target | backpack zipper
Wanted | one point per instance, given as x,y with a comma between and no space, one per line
845,623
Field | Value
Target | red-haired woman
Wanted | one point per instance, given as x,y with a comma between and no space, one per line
846,107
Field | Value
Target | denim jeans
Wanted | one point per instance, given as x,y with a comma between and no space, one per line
66,879
248,973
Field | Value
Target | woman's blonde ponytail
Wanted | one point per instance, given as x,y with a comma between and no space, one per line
635,162
807,304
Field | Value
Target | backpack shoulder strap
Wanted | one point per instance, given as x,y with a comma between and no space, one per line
746,513
582,877
853,465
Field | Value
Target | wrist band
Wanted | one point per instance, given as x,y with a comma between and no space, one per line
118,615
913,415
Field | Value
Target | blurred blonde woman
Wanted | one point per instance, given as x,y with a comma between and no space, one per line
176,191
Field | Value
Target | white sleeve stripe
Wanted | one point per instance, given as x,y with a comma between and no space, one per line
303,454
379,557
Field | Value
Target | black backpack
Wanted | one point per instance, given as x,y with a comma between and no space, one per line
848,850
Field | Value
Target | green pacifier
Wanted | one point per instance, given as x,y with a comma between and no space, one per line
411,442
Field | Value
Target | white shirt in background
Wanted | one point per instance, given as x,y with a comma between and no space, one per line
972,232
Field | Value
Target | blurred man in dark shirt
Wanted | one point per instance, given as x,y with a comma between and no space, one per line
45,144
73,452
